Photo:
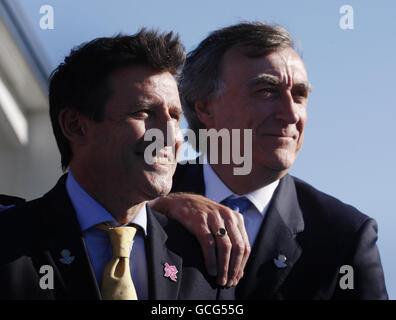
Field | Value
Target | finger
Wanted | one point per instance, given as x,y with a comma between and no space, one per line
223,246
238,245
242,229
208,247
223,249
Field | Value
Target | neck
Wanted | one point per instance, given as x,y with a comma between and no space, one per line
123,208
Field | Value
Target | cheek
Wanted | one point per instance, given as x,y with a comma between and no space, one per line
261,116
229,113
134,129
302,122
300,128
130,137
178,149
176,135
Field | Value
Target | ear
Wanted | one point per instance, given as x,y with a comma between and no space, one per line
204,111
73,125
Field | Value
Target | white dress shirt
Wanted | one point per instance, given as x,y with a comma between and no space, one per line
216,190
90,213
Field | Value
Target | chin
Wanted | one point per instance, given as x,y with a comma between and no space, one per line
280,160
160,192
158,186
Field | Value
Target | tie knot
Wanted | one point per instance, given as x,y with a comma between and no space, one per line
121,239
237,204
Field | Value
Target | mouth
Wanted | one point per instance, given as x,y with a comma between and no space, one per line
162,158
289,132
282,136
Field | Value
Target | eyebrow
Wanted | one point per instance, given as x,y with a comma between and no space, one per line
176,109
146,103
272,80
304,86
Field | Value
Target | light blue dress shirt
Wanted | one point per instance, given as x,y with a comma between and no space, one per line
90,213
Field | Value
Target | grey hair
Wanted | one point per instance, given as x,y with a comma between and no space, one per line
200,78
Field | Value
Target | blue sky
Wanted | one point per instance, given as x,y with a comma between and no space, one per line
349,149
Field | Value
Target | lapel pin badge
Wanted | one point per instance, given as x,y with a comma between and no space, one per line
170,272
280,261
66,257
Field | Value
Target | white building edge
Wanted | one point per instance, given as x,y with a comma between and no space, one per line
29,158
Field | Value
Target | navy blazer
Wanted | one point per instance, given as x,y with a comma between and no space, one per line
10,200
39,230
317,233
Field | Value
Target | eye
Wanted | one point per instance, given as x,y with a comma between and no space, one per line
176,115
268,92
142,114
300,95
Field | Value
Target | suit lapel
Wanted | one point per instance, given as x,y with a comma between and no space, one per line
72,267
161,287
277,236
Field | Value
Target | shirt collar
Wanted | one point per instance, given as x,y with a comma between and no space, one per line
216,190
90,212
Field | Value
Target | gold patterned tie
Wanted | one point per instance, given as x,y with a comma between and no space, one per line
117,282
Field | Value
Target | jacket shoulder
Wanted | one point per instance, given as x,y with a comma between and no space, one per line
22,214
327,209
24,219
10,200
335,234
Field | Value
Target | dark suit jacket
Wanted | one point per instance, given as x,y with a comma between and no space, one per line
34,234
317,233
10,200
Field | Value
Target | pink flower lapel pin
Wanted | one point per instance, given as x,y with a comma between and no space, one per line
170,272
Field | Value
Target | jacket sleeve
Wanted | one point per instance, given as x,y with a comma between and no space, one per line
368,275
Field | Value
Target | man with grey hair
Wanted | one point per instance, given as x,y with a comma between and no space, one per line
305,243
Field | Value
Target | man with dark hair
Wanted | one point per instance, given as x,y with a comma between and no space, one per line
93,236
305,244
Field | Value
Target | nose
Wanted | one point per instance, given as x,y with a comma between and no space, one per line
170,129
173,133
287,110
173,137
